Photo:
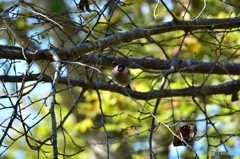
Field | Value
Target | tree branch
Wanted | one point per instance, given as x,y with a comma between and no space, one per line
149,64
225,88
11,52
54,55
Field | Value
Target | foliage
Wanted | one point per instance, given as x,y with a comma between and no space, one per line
57,100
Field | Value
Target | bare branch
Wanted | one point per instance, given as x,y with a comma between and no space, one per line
225,88
53,102
113,40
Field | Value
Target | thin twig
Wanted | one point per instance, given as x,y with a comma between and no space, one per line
53,102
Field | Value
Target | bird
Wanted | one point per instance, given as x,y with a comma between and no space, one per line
121,75
84,4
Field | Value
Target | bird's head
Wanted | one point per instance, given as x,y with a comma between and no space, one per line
121,67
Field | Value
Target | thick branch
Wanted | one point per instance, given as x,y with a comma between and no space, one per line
226,88
192,66
10,52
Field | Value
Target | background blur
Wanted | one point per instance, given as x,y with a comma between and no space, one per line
105,124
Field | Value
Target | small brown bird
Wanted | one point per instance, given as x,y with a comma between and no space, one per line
84,4
186,133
